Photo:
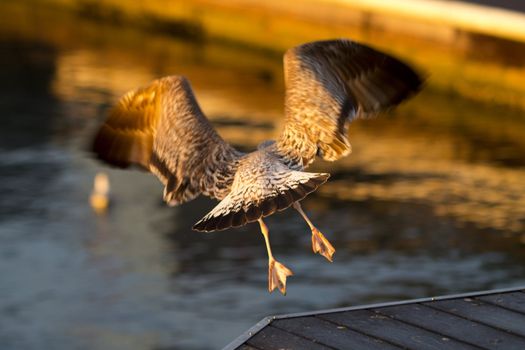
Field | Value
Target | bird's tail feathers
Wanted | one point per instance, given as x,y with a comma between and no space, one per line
238,208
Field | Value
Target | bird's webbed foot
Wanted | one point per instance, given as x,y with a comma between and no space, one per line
277,274
321,245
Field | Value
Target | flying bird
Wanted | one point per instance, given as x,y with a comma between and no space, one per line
161,129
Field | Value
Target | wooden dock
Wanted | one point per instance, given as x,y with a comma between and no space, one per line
483,320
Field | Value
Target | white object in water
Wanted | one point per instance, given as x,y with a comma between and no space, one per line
99,198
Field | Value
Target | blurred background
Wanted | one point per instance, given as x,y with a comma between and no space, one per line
431,202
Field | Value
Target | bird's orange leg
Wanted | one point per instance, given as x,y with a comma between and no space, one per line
319,243
277,272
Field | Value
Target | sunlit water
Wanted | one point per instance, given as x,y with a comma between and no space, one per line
421,208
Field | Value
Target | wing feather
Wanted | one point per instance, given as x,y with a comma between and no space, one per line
161,128
330,83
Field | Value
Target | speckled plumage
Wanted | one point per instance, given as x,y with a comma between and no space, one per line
328,84
262,185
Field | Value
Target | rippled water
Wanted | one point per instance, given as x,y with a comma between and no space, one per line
431,201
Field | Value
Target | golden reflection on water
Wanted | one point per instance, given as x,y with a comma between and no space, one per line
221,92
414,156
80,76
423,171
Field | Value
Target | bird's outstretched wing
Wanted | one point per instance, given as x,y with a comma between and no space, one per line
330,83
161,128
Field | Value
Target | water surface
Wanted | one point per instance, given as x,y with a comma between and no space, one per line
432,200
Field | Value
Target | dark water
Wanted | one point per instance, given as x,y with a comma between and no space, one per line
431,202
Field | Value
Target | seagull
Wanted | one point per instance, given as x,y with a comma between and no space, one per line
161,129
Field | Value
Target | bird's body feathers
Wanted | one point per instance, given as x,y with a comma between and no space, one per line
262,185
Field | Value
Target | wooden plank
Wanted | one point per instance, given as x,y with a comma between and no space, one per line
512,301
271,338
489,319
487,314
246,347
454,326
330,334
394,331
395,303
243,338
